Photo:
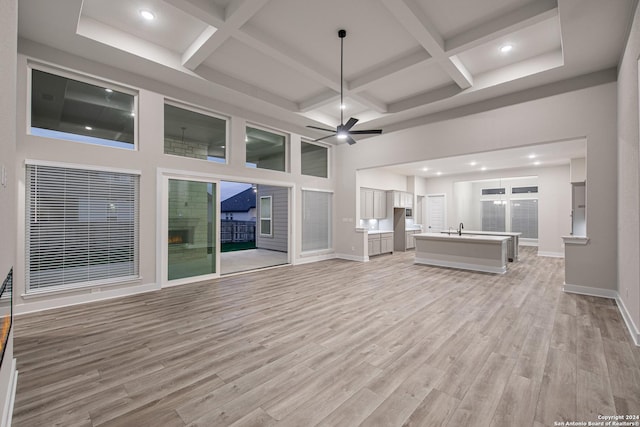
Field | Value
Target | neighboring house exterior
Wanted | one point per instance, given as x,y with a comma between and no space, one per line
241,207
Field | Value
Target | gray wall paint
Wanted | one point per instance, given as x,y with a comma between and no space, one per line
8,53
279,241
628,175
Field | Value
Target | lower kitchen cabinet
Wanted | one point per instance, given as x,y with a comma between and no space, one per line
380,243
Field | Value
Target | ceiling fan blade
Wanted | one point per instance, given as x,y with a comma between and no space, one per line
350,140
316,127
324,137
352,121
366,132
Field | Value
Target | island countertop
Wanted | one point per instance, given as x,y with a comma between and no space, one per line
464,237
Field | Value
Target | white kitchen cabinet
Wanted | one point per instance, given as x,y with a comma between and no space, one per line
379,204
380,243
386,243
409,240
373,204
402,199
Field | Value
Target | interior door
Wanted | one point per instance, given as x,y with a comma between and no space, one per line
436,213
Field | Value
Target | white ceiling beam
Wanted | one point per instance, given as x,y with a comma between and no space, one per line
529,15
381,71
417,23
235,16
368,101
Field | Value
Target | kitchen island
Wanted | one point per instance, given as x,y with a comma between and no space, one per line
469,252
512,244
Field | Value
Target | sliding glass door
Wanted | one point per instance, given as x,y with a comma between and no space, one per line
191,229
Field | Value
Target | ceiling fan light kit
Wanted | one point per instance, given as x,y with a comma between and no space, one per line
343,131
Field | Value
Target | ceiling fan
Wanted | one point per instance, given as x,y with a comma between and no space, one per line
343,131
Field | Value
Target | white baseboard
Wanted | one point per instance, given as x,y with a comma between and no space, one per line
52,302
352,257
628,320
314,258
7,414
588,290
551,254
461,265
611,294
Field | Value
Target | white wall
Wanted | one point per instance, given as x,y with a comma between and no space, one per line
149,159
628,177
8,47
527,118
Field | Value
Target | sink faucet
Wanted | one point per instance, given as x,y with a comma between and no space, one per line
460,227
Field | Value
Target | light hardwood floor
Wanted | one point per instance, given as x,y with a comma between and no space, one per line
335,343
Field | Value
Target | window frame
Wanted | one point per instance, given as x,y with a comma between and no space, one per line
319,144
71,74
330,223
287,146
270,218
205,112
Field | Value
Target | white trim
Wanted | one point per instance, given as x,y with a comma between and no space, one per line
628,320
238,273
633,329
182,173
528,242
307,259
81,166
352,257
73,287
189,280
461,265
588,290
318,190
550,254
93,295
7,414
575,240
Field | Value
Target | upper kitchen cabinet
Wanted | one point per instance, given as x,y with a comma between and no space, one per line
402,199
373,204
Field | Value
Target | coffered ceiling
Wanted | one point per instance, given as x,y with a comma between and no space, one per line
404,59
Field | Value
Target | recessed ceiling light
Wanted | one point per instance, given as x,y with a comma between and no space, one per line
438,173
473,163
147,14
532,156
108,90
484,168
536,163
425,169
88,128
342,106
506,48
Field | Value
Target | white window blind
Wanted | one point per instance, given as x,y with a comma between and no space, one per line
81,227
524,217
316,220
493,215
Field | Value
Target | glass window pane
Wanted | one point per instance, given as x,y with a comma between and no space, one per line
191,229
265,207
265,226
265,150
314,160
195,135
63,108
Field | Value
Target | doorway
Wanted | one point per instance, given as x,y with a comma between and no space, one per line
436,213
254,226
